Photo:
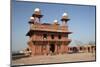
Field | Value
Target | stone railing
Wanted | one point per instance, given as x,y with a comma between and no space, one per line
51,39
49,28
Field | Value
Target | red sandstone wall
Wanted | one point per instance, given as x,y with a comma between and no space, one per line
39,36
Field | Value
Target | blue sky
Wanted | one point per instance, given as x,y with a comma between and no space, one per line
82,22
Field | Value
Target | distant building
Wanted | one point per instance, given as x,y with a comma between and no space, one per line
46,38
83,49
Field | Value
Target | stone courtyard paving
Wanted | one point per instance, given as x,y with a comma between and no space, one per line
55,59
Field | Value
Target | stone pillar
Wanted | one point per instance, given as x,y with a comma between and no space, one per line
65,48
61,49
55,48
35,49
32,47
86,49
40,49
44,49
48,48
94,48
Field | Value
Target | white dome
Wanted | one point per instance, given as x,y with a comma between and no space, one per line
21,52
65,14
32,18
55,20
37,9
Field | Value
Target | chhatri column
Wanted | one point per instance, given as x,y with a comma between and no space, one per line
65,19
37,15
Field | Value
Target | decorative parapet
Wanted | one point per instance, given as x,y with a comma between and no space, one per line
52,27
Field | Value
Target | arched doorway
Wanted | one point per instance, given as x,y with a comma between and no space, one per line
75,50
52,48
88,49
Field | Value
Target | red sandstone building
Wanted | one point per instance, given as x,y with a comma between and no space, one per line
46,38
83,49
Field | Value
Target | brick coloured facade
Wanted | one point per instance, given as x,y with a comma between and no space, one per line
82,49
46,38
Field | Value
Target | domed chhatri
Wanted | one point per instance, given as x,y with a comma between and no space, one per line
31,18
55,21
37,15
64,19
37,10
65,14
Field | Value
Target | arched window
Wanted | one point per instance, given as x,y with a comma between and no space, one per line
44,36
52,36
59,36
81,48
